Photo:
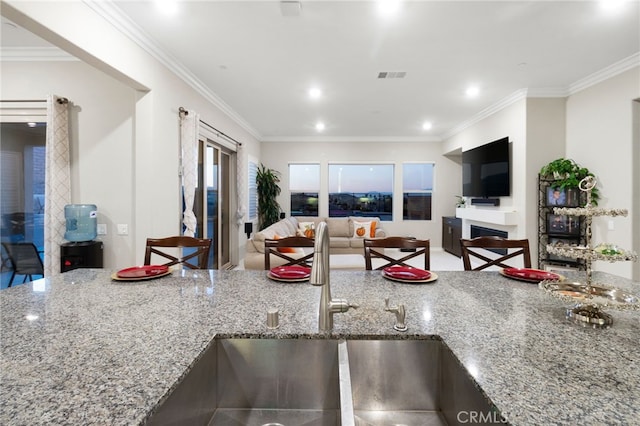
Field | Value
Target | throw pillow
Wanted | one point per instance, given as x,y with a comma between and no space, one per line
372,234
284,249
306,229
361,229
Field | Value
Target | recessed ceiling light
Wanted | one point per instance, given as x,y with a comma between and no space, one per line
427,125
315,93
320,126
612,5
167,7
388,7
472,91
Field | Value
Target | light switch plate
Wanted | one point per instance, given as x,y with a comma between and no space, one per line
102,229
123,229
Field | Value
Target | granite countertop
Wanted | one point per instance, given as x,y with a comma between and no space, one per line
80,348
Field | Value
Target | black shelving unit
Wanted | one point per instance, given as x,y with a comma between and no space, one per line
559,229
85,254
451,234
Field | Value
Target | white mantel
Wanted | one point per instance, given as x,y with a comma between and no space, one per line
492,216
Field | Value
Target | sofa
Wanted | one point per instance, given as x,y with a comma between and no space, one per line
346,236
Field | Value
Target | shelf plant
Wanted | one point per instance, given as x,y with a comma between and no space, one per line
267,181
566,173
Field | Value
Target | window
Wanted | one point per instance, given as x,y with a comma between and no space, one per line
361,190
253,191
304,184
417,188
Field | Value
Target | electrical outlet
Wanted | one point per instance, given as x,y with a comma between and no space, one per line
102,229
123,229
611,226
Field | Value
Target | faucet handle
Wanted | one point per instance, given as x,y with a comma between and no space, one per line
400,313
387,307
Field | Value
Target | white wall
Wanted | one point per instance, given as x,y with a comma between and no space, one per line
101,151
447,179
545,143
138,150
510,122
600,136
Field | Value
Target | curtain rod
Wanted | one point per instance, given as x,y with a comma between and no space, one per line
59,100
181,110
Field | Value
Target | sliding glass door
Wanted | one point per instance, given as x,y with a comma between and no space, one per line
22,158
212,203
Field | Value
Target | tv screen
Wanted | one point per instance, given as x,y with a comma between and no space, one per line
486,170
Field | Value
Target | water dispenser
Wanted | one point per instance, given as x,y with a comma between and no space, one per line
82,222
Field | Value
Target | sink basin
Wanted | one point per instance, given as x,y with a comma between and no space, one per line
413,382
258,382
320,382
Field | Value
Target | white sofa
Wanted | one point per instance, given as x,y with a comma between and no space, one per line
343,239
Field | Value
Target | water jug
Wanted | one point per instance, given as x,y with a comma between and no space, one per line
82,222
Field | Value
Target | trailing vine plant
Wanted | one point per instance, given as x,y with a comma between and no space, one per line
566,173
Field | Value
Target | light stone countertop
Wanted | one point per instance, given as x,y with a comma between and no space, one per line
80,348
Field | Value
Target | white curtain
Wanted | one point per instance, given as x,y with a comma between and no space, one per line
57,191
189,122
241,184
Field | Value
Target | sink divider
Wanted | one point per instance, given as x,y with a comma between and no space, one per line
347,416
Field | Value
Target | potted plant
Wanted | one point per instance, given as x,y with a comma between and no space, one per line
460,201
566,173
268,189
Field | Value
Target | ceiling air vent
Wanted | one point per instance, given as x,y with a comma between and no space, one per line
392,74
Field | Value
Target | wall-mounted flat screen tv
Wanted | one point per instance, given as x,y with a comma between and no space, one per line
486,170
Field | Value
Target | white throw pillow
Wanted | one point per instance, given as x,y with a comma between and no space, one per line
303,226
361,229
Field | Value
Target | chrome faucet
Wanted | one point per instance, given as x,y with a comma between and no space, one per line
320,277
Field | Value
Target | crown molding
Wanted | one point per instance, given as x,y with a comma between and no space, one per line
606,73
112,14
549,92
353,139
487,112
28,54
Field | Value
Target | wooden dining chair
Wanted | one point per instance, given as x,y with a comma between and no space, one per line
24,260
374,248
284,248
473,248
187,258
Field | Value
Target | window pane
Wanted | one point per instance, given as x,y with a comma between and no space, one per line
304,184
361,190
417,185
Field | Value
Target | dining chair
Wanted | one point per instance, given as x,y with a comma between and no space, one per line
473,248
284,248
201,247
24,259
374,248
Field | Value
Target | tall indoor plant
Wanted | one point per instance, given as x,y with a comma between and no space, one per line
566,173
268,189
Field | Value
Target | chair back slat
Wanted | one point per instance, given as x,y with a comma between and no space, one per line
272,247
471,249
201,246
374,248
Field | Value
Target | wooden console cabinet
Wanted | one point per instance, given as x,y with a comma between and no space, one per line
451,234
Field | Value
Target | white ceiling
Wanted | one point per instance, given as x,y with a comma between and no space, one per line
261,63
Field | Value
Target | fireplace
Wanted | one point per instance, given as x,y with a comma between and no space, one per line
480,231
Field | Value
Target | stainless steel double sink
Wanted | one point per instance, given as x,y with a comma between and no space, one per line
320,382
